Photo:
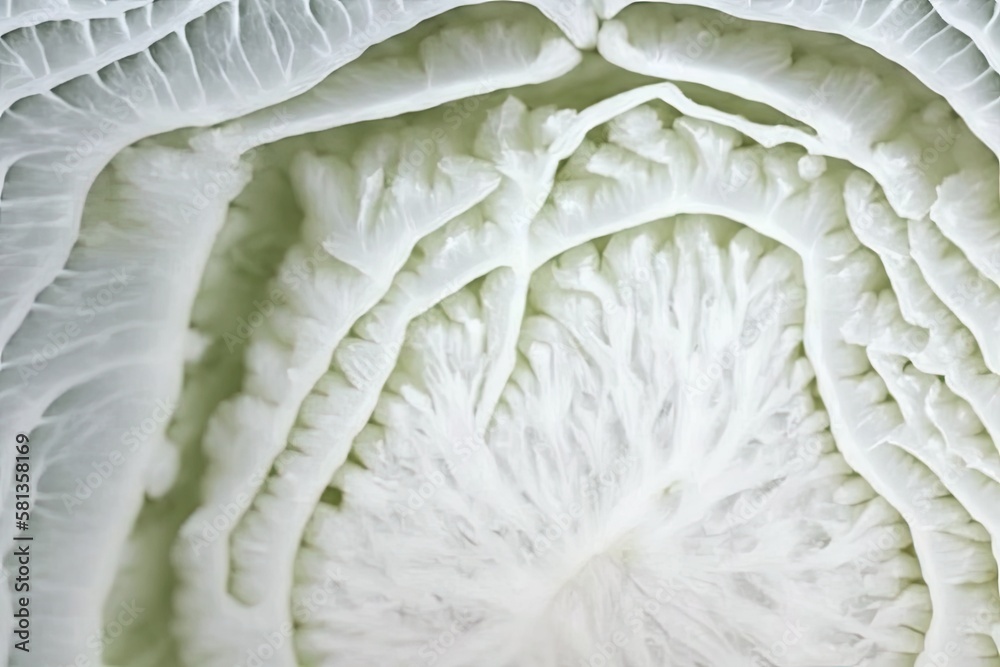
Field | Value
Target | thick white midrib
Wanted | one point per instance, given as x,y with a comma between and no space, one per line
164,367
505,357
259,126
822,123
806,18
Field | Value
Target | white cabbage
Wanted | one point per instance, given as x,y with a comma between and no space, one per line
558,334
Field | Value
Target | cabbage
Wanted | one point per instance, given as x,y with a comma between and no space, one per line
554,334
